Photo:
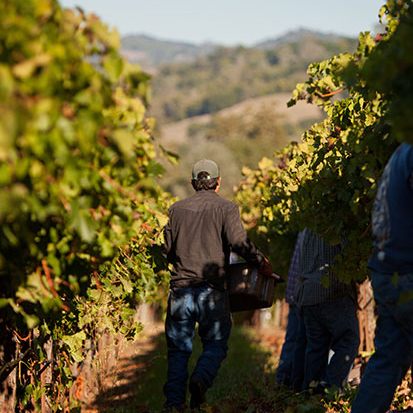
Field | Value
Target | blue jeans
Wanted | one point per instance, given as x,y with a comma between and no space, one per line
186,306
393,342
291,366
332,325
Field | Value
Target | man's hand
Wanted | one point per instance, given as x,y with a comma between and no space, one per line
265,267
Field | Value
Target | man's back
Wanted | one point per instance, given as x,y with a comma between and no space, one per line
198,238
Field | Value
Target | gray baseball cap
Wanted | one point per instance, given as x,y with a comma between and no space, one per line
205,165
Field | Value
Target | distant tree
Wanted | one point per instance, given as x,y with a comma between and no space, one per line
272,57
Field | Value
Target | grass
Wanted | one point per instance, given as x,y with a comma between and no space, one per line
246,383
246,368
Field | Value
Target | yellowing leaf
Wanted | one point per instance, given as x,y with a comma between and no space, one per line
125,140
25,69
265,163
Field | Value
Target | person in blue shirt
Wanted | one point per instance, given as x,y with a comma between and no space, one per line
391,266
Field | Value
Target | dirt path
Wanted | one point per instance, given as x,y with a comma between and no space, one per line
128,377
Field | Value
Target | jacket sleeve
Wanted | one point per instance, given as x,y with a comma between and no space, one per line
236,236
168,250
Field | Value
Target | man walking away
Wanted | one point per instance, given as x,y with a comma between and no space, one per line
201,233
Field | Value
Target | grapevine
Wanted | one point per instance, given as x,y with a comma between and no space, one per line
81,210
327,182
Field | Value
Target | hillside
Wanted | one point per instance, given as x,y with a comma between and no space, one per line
296,36
230,75
176,133
237,136
150,52
229,103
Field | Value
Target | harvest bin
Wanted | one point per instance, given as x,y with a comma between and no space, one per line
248,289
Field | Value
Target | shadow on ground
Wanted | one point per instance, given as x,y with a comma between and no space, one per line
247,371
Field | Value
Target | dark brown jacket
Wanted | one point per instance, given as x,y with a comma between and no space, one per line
202,231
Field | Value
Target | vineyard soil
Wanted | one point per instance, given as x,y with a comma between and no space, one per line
128,377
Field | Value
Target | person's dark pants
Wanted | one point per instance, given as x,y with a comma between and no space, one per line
393,343
332,325
291,366
186,306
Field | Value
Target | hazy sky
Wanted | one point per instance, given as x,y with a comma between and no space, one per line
231,22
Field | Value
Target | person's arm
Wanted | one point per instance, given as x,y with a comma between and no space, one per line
409,163
168,249
293,272
236,236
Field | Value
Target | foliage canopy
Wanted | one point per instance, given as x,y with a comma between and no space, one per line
80,208
328,181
